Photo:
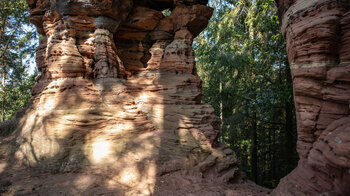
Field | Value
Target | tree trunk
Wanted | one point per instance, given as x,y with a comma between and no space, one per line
254,151
221,108
3,27
273,165
2,32
3,91
289,127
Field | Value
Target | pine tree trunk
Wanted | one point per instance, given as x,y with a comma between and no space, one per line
2,32
3,92
254,156
289,123
221,109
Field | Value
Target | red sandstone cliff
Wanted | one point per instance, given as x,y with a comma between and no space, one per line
116,109
317,33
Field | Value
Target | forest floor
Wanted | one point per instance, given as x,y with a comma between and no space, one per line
30,182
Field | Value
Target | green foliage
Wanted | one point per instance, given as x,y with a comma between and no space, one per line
17,45
18,94
243,51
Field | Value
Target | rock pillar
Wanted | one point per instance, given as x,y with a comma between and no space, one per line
317,33
118,96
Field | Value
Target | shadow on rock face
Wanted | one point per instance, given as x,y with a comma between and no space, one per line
316,33
117,106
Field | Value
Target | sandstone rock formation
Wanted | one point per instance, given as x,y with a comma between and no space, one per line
317,33
117,110
118,101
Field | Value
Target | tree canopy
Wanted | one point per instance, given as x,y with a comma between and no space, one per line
18,42
242,61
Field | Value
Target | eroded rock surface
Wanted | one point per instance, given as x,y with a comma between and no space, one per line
317,33
118,100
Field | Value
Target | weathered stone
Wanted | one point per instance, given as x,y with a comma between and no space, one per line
117,104
144,19
317,36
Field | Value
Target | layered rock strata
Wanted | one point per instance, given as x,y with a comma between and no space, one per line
317,33
118,95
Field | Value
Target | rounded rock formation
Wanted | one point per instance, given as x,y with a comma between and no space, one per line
317,33
117,104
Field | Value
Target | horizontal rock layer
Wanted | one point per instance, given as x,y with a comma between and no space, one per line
118,96
317,36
